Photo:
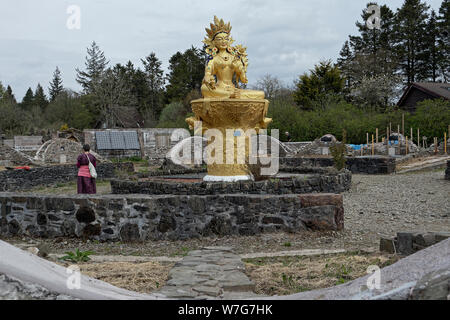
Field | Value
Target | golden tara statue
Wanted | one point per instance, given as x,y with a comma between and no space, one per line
235,113
226,63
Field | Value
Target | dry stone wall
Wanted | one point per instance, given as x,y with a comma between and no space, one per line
13,180
329,183
171,217
363,164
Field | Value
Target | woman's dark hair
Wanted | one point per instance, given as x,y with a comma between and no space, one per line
86,147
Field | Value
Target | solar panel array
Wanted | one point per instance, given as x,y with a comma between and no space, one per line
117,140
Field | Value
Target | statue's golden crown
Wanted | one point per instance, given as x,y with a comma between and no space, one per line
218,27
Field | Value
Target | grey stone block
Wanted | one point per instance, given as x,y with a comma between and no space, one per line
405,243
387,245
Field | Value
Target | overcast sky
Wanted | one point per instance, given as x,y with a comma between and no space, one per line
284,38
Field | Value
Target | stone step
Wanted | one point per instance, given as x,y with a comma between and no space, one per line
209,273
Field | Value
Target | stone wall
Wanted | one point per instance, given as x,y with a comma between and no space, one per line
172,217
12,180
447,171
336,183
363,164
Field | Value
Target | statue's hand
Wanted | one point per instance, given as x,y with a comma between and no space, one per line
210,82
244,79
236,94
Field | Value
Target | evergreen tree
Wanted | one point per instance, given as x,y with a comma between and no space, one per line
2,90
8,96
56,86
370,41
430,56
444,40
28,100
39,97
410,26
372,48
95,66
344,63
186,73
154,76
367,60
316,88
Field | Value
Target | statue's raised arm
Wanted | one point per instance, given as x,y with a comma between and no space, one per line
225,63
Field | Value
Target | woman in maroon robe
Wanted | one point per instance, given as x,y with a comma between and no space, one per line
85,183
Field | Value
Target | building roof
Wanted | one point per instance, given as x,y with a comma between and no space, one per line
117,140
435,89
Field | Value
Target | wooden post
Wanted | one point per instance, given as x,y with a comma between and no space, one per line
367,138
387,136
403,124
362,153
445,142
418,138
373,147
406,144
435,145
390,127
411,135
376,132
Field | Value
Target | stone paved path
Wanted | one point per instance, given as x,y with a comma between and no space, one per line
209,273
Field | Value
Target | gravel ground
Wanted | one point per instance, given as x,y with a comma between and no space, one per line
376,205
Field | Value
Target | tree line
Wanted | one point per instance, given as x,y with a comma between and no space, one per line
372,69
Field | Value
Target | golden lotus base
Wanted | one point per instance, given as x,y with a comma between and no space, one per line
235,120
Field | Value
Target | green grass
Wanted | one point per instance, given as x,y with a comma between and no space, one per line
103,186
77,256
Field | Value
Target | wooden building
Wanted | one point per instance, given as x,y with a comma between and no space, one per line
419,91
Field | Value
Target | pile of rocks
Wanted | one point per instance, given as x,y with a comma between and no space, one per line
11,157
317,146
406,243
61,151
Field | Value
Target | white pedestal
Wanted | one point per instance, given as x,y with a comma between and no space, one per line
209,178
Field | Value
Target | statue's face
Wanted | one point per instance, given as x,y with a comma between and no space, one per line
222,40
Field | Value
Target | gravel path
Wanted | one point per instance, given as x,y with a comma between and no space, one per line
376,206
384,205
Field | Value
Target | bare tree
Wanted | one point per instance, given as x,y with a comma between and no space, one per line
112,90
271,86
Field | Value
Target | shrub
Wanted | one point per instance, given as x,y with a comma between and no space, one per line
432,117
338,152
173,116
